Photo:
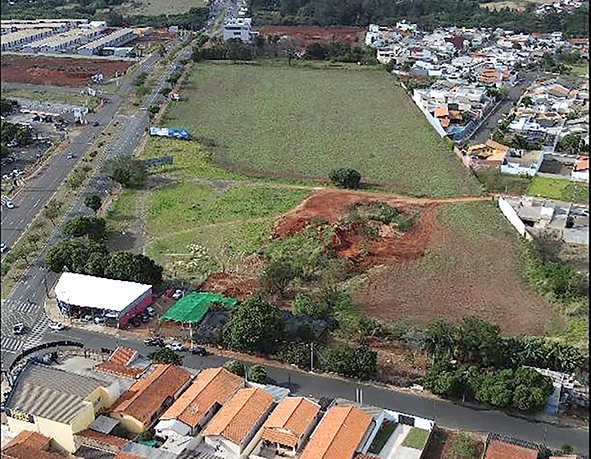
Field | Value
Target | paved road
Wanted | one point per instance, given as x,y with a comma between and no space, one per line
26,302
444,413
38,190
486,130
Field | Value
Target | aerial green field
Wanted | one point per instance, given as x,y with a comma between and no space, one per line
302,123
560,189
158,7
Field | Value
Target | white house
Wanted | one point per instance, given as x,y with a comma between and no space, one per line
240,28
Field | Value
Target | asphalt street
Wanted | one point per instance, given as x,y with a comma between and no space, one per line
444,413
486,130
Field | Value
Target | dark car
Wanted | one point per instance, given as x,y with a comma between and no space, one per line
145,318
135,322
198,351
154,342
96,123
19,328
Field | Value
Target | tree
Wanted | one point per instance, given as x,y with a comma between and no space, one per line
360,362
345,178
128,172
441,341
463,447
52,210
304,305
7,107
95,228
572,144
93,202
236,367
254,326
257,374
134,268
165,355
441,380
23,251
96,264
479,342
297,354
73,255
276,276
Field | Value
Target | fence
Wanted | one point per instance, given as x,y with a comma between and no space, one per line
511,215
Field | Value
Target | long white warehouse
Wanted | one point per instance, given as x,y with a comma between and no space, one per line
116,38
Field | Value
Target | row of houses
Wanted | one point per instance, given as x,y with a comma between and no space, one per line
85,407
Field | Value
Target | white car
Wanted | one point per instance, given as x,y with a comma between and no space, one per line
9,204
176,346
150,311
56,326
3,247
178,294
100,320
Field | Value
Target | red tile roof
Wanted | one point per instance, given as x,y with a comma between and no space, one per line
214,385
240,414
147,395
27,445
338,434
289,421
126,455
500,450
119,363
123,356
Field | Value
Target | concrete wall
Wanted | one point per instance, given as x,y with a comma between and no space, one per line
511,215
129,422
420,423
582,176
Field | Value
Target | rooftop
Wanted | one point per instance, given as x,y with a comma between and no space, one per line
240,414
119,363
51,393
98,292
498,449
290,420
27,445
213,385
338,434
147,395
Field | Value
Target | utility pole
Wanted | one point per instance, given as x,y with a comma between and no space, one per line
312,356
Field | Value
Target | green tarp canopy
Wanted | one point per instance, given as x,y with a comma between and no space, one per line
193,307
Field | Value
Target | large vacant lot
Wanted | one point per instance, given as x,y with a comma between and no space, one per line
299,122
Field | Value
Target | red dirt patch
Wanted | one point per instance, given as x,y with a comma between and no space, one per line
231,285
389,247
57,71
309,34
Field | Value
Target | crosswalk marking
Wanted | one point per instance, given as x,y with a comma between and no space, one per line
36,335
11,344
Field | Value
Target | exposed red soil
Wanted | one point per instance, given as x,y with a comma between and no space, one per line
231,285
463,275
309,34
441,442
389,247
57,71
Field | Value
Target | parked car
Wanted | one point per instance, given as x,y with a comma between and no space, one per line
145,318
87,318
9,204
151,311
176,346
56,326
70,156
169,292
135,322
199,351
100,320
3,247
19,328
96,123
178,294
154,342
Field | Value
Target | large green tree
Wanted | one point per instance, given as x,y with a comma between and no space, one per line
133,267
165,355
93,202
95,228
128,172
236,367
358,362
254,326
73,255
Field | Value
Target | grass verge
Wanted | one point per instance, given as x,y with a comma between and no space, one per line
559,189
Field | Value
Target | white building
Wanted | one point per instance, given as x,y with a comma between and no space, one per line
15,40
116,38
240,28
109,298
63,42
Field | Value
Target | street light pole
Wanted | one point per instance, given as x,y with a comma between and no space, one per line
312,356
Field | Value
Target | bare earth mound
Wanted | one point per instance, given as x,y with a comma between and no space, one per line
309,34
57,71
434,270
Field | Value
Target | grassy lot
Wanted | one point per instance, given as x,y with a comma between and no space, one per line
580,69
158,7
416,438
302,123
560,189
62,97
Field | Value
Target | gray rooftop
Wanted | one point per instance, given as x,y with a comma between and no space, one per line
50,393
103,424
147,451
